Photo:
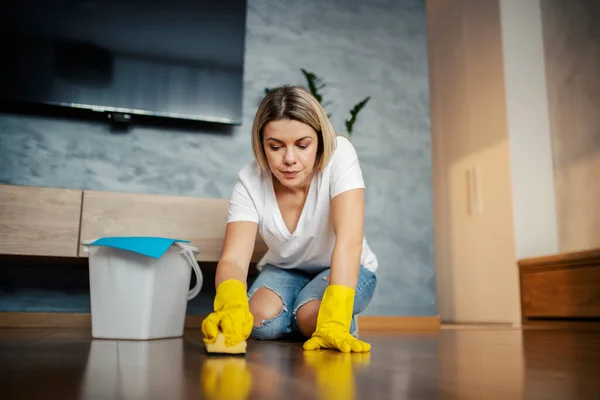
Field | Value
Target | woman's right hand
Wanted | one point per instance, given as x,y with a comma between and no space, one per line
231,314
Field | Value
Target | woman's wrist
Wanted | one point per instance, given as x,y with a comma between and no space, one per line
227,270
345,265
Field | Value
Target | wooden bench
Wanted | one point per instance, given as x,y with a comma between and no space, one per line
37,221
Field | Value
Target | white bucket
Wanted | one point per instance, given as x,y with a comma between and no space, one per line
134,296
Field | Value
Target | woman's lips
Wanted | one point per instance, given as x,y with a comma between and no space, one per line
290,174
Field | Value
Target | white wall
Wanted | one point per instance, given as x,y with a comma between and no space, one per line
534,205
572,49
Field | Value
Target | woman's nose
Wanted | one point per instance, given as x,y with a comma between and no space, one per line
289,157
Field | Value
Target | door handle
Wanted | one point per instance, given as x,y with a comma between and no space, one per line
475,205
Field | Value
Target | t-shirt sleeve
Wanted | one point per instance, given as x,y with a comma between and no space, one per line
241,205
345,169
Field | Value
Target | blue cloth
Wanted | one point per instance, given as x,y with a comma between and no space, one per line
296,288
149,246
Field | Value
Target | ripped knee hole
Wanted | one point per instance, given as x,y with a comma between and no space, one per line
265,304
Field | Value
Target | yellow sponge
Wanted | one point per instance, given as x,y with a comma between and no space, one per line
218,347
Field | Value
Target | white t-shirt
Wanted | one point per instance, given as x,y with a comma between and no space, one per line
310,247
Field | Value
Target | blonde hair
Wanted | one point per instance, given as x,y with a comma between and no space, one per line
295,103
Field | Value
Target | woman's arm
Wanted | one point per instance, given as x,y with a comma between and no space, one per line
240,238
348,211
231,315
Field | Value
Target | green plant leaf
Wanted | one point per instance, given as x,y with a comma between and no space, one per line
354,112
315,84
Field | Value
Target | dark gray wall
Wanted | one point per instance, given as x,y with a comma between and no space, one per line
360,48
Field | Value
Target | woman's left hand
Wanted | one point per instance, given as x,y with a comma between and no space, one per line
338,340
333,323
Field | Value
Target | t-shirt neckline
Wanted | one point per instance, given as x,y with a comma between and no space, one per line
277,211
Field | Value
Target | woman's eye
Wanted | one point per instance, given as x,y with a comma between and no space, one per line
275,147
303,146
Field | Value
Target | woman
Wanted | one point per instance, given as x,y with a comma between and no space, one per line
304,194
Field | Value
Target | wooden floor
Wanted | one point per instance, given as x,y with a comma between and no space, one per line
474,363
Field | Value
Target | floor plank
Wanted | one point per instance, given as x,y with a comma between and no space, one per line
450,364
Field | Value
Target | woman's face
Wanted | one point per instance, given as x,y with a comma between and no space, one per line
291,150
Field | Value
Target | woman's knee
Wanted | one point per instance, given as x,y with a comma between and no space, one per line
270,318
306,317
265,305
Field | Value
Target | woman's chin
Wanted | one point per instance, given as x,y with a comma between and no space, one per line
296,182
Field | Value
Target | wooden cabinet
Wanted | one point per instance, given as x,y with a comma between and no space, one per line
201,220
39,221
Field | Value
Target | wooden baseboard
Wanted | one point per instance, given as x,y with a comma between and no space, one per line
44,320
366,323
65,320
75,320
397,323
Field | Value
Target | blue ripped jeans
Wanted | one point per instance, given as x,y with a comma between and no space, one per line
296,288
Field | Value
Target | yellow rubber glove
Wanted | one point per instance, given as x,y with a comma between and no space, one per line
232,314
225,378
333,323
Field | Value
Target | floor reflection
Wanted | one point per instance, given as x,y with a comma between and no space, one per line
274,370
120,369
455,364
225,378
334,372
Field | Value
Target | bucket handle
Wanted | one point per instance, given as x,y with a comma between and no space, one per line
189,254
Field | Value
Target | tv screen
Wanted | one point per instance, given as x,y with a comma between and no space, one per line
165,58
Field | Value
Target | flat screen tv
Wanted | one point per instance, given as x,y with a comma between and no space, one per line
165,58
